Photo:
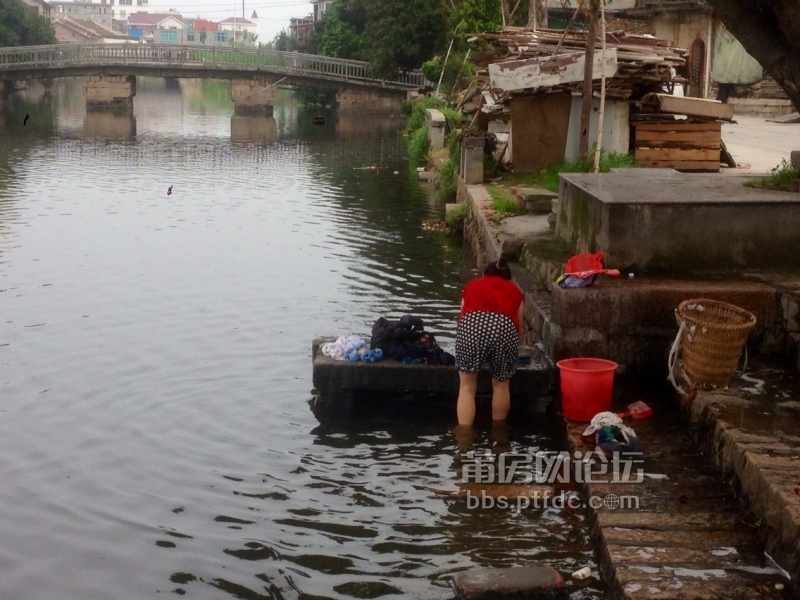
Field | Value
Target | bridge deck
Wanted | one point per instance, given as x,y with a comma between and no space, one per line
64,60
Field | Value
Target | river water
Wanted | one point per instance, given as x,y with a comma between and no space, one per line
155,370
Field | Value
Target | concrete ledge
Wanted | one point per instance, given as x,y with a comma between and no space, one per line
615,304
334,376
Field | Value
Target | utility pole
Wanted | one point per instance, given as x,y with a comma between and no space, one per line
586,106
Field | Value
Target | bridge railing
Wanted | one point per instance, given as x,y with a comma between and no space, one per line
222,57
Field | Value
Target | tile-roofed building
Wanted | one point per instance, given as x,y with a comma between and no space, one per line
69,29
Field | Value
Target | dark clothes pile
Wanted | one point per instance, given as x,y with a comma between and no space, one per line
406,340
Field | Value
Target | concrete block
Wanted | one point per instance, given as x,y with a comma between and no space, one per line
436,123
795,186
533,582
472,160
536,200
681,223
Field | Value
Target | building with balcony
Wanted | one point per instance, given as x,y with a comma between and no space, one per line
301,27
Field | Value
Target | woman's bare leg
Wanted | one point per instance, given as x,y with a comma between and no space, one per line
468,386
501,399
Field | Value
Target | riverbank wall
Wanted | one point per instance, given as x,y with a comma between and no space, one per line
632,321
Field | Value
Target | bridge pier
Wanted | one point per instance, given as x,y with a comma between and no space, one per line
361,100
109,92
253,96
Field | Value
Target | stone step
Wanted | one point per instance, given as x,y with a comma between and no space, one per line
709,548
532,582
536,200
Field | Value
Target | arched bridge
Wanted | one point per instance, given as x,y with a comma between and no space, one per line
255,73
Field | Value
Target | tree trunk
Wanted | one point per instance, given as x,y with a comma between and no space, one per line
770,32
537,14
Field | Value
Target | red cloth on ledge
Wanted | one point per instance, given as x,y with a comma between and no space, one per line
491,293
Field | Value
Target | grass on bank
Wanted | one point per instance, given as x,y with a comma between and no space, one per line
781,178
502,200
549,179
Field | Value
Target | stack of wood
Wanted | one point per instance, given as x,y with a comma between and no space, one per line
644,62
680,133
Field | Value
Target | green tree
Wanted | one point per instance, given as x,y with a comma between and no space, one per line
402,34
341,31
21,26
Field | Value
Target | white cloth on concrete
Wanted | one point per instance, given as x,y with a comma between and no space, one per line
342,346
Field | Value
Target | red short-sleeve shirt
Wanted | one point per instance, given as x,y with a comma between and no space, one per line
493,294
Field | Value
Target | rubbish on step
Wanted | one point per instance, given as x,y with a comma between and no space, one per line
637,410
582,573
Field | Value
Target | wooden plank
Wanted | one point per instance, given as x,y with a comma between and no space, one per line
678,126
682,165
679,144
699,137
668,154
546,71
694,107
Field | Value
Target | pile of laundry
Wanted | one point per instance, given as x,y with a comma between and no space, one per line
352,349
612,436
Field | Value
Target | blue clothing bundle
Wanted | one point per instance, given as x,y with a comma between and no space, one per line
363,354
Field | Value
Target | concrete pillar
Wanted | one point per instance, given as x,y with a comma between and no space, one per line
109,92
436,124
253,96
366,100
471,168
795,158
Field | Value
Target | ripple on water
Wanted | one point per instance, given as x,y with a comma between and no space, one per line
155,365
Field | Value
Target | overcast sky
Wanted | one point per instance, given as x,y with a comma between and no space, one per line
273,15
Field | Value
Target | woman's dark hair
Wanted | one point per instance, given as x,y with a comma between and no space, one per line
498,269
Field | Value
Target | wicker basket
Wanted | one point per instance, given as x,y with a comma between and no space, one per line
713,336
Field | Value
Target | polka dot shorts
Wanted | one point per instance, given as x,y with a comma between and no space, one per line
487,336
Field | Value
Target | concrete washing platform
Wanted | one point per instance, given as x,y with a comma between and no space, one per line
338,382
662,220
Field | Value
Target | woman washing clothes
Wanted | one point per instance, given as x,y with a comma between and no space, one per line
488,329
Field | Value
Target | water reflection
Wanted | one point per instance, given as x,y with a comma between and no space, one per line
109,125
154,364
260,129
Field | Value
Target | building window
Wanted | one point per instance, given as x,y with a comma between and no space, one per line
169,36
190,36
221,36
122,14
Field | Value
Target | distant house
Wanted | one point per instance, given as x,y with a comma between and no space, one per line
69,29
320,7
41,7
241,30
82,10
301,27
159,28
